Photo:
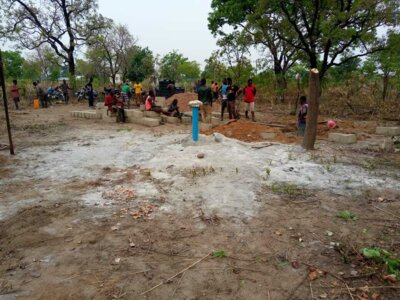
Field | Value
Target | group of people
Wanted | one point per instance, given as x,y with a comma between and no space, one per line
127,92
43,96
117,100
227,93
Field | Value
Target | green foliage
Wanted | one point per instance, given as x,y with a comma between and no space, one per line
31,70
284,188
170,64
234,51
175,66
379,255
189,70
345,70
13,63
214,69
141,65
346,215
220,254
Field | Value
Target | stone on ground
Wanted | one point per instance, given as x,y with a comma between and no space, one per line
388,131
149,122
342,138
168,119
151,114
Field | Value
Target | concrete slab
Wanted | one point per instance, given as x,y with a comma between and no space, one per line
142,107
133,114
388,131
149,122
186,120
342,138
86,114
151,114
171,120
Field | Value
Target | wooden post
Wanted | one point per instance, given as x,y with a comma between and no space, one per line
3,87
312,115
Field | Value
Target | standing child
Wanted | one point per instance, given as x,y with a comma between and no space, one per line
120,106
233,91
224,103
65,87
249,95
204,94
138,92
302,116
15,93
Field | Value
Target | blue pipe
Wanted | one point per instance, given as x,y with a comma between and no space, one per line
195,123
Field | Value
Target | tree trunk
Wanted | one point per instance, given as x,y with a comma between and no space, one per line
312,115
280,82
71,69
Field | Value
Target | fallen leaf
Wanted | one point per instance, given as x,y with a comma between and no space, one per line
391,278
295,264
323,296
312,274
278,233
117,260
376,296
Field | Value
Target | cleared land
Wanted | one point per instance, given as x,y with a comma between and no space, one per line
90,210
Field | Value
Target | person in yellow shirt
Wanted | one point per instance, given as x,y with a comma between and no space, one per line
138,92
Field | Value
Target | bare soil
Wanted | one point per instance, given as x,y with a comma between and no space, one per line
53,245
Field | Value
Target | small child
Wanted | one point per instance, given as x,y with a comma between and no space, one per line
173,110
302,116
120,106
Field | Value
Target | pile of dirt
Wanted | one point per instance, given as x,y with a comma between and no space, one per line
248,131
185,98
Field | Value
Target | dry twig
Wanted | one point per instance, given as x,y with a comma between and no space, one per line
177,274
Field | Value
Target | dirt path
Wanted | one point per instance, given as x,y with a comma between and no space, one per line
107,211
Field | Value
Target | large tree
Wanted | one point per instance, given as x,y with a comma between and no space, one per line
115,45
169,65
62,24
141,65
234,49
328,32
50,64
175,66
252,17
214,69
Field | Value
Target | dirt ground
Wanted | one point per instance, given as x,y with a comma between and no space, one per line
90,210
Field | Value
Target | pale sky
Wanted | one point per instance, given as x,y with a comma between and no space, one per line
165,25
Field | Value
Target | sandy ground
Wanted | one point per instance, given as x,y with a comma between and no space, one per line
107,211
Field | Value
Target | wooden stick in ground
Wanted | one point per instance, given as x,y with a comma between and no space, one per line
177,274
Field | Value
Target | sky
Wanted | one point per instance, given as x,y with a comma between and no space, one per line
166,25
